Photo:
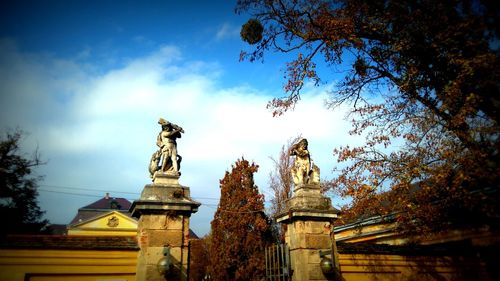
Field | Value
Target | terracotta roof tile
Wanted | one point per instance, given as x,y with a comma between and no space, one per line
70,242
57,229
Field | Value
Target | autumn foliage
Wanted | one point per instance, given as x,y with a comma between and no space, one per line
422,80
199,258
240,228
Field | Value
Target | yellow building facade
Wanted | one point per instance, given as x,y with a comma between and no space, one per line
99,244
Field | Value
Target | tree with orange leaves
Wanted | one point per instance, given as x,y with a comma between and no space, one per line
240,228
199,258
422,79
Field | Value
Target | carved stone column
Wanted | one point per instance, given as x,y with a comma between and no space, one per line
309,218
163,210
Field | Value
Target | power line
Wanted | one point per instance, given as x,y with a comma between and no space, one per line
88,189
206,198
125,192
107,190
211,206
99,196
70,193
102,190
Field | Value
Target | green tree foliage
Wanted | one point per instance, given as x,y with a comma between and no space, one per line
18,188
422,74
240,228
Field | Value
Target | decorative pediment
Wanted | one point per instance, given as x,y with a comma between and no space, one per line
109,223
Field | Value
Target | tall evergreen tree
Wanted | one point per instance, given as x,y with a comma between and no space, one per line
240,228
18,188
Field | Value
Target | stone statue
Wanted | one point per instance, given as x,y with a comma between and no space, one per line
303,171
166,159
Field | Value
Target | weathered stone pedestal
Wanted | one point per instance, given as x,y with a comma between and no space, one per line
163,210
309,220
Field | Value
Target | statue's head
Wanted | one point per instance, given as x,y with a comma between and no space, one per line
163,122
303,143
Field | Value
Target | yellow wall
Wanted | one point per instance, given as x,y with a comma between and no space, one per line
58,265
20,265
382,233
385,233
356,267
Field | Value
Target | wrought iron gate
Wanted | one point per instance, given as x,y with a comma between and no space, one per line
278,263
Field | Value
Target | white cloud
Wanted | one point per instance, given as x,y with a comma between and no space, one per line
227,30
99,131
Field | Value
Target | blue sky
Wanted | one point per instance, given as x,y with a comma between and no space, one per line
88,81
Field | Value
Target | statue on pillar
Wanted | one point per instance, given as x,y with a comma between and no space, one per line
166,159
303,171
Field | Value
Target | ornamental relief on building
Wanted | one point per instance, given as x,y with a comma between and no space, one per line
113,221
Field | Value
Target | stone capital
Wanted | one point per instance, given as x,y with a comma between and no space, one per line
307,215
163,199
